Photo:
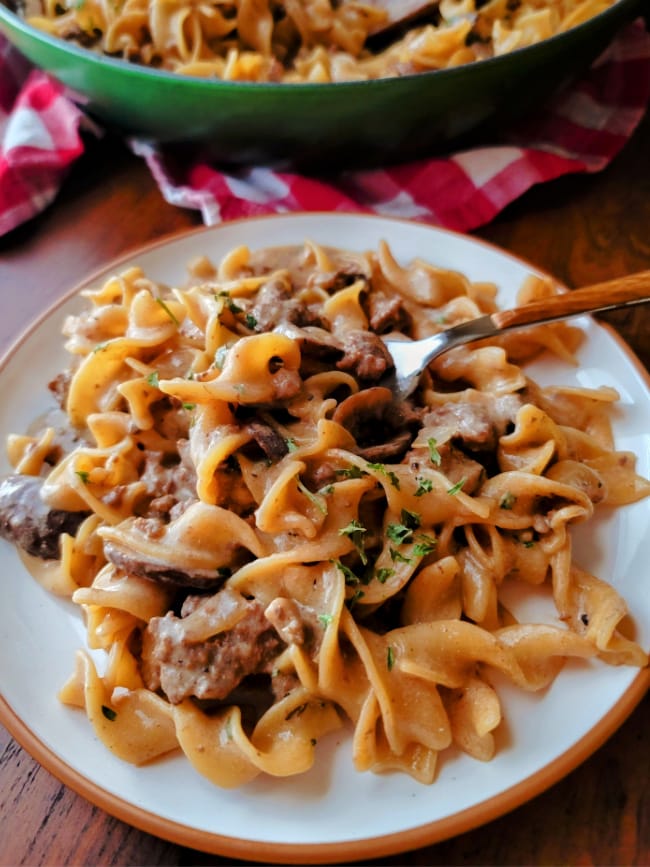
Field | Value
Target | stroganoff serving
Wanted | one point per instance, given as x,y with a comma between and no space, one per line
267,547
305,40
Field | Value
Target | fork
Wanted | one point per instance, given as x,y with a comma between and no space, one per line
411,357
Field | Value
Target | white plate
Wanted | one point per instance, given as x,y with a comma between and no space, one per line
331,813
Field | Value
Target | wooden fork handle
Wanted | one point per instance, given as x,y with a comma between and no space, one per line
633,289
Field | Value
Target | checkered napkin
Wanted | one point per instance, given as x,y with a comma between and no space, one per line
580,130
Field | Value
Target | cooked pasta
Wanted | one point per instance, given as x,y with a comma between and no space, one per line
305,40
267,547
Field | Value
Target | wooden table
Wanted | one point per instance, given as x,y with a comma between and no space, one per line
582,229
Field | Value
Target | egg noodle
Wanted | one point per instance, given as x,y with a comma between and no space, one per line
304,40
268,548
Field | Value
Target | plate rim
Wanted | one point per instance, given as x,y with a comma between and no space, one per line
275,852
328,853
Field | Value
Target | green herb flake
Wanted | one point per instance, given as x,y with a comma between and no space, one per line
109,713
313,498
328,489
424,545
390,657
411,519
228,302
508,500
399,533
382,575
348,574
355,531
434,454
83,475
251,321
292,446
189,406
396,557
168,311
424,486
153,380
380,468
358,594
457,487
351,472
325,619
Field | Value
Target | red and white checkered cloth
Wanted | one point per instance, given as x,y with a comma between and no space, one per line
580,130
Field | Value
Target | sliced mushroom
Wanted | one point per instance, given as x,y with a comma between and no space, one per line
379,427
28,522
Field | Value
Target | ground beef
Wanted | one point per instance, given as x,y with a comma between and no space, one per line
275,304
477,422
365,356
209,669
386,313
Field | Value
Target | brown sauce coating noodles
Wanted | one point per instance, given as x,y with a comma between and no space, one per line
267,547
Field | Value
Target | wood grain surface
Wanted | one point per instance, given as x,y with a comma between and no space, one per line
581,229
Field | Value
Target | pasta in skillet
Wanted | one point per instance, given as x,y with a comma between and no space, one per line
305,40
268,548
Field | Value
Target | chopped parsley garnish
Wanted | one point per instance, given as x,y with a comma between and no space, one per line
411,519
508,500
398,533
434,454
109,713
152,379
251,321
328,489
425,545
457,487
424,486
168,311
355,531
189,406
396,557
390,658
228,302
292,446
83,475
348,574
317,501
380,468
351,472
355,598
382,575
325,619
